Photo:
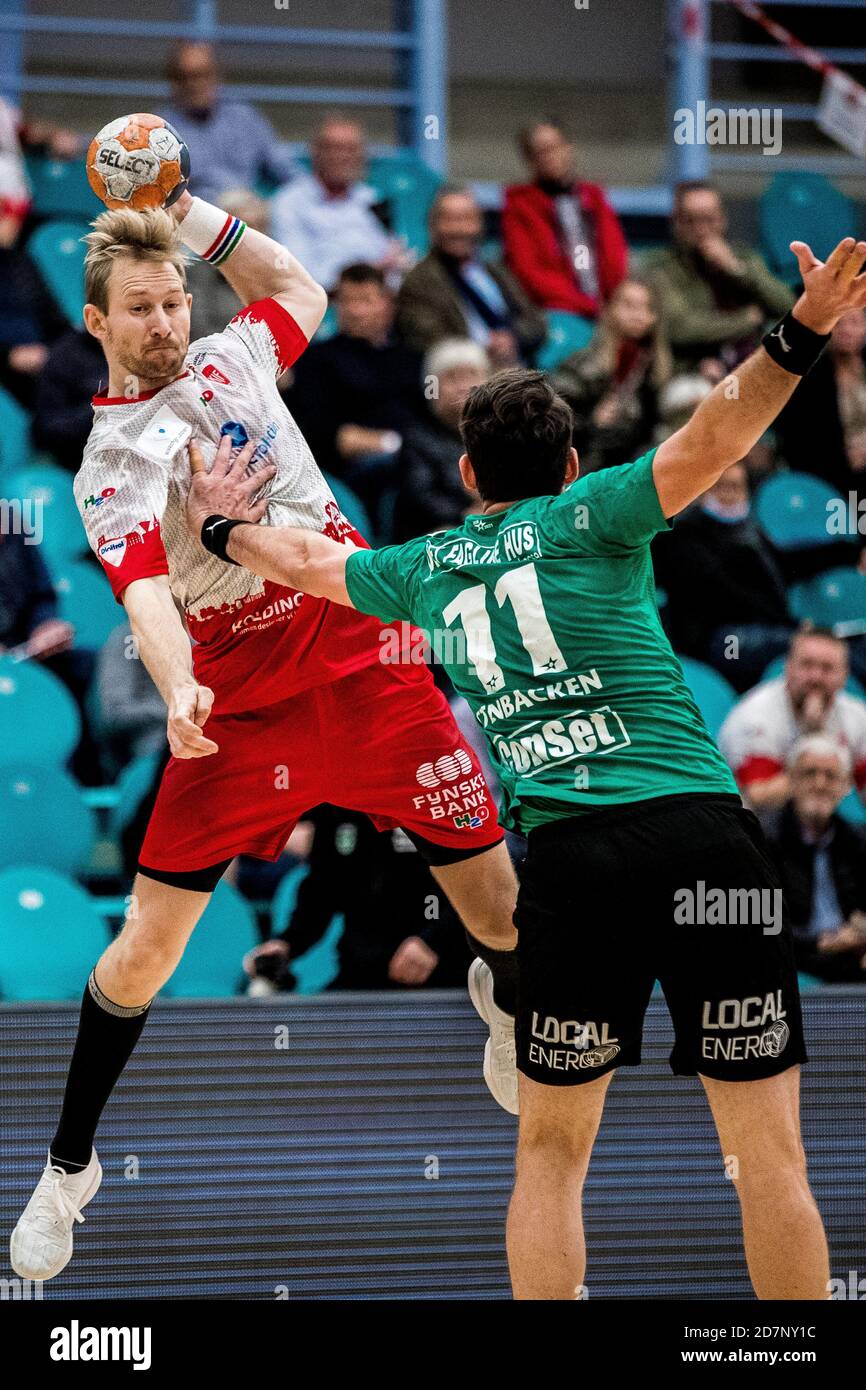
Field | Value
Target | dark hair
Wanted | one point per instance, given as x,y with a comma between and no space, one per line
517,434
361,274
687,186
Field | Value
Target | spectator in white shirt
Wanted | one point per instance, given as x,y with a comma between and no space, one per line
758,735
326,218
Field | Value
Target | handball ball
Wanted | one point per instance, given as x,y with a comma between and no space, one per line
138,162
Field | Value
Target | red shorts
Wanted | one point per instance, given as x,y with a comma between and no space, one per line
381,740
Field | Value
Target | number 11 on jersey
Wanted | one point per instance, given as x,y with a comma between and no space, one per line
520,587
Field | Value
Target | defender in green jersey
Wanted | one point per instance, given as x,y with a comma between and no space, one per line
542,609
545,617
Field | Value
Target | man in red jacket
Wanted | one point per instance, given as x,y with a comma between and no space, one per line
562,238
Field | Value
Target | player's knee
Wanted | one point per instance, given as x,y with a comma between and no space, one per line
774,1168
146,955
559,1147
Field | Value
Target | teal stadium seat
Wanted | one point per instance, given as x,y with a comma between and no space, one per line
409,188
806,206
44,819
14,439
566,333
316,968
50,935
777,666
852,810
50,487
791,510
39,720
714,697
58,251
86,601
131,787
211,965
60,188
836,599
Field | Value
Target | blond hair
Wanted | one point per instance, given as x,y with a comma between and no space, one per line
142,236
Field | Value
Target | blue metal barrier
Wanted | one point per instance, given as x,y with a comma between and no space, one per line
692,54
419,38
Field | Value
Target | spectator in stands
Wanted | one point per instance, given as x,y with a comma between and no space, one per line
822,864
30,319
330,218
809,698
14,185
399,929
715,297
727,601
613,384
62,409
431,493
132,711
17,138
822,429
562,238
214,302
231,145
451,293
31,630
356,394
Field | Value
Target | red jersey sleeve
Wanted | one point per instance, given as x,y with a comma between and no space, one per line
269,333
121,497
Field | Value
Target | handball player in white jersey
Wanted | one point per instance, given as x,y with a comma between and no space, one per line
283,702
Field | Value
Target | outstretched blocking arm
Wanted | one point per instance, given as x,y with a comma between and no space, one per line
299,559
256,266
732,419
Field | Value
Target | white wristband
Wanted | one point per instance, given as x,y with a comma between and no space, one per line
210,232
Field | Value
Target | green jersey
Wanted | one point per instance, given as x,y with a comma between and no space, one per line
545,617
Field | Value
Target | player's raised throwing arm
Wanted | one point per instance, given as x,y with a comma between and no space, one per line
739,410
255,266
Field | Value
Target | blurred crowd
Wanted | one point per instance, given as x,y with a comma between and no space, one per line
644,336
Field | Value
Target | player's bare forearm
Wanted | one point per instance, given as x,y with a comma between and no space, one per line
737,412
299,559
164,647
162,643
259,268
722,430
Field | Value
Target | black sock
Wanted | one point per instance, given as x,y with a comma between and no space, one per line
107,1034
503,967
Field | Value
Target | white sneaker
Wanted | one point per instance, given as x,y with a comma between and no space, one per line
500,1056
41,1243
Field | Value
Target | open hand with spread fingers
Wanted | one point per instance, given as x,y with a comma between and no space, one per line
831,288
226,489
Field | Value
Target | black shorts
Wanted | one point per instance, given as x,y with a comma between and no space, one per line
681,890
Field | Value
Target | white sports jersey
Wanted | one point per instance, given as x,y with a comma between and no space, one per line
257,642
759,733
